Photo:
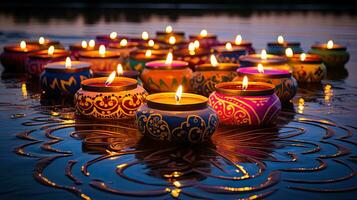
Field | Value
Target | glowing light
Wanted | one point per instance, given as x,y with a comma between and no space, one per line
289,52
238,40
168,29
172,40
328,94
191,46
263,54
145,35
301,105
213,60
84,44
23,45
178,94
113,35
197,44
245,83
68,62
229,46
302,56
169,59
260,68
102,50
204,33
119,69
41,40
24,90
91,43
110,78
175,193
280,39
148,53
330,44
176,184
51,50
151,43
123,42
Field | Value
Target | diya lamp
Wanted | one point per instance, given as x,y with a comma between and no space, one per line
14,56
45,43
102,60
265,59
109,98
245,103
333,55
206,39
239,42
307,68
82,47
124,47
151,44
164,36
36,61
278,47
285,84
120,72
166,75
229,53
138,58
65,77
108,39
193,55
177,117
206,76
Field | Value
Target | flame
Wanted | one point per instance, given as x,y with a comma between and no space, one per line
197,44
68,63
91,43
238,40
148,53
172,40
23,45
119,69
330,44
178,94
228,46
110,79
169,59
145,35
113,35
84,44
260,68
51,50
213,60
204,33
289,52
245,83
41,40
102,50
168,29
123,42
302,56
263,54
191,46
280,39
151,43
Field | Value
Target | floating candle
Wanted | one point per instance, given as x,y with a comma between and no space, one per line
82,46
120,73
228,53
307,68
193,55
113,37
333,55
45,43
206,39
164,36
138,58
278,48
267,60
239,42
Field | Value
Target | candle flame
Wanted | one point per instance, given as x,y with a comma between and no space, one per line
119,69
151,43
172,40
169,59
123,42
280,39
260,68
330,44
84,44
263,54
245,83
204,33
178,94
168,29
110,79
51,50
238,40
148,53
289,52
197,44
23,45
102,50
191,46
41,40
228,46
213,60
91,43
68,63
302,56
145,35
113,35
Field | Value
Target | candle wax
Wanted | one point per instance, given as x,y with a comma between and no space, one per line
170,99
115,84
267,71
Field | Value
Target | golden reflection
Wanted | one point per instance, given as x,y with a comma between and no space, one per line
175,193
24,90
328,94
301,105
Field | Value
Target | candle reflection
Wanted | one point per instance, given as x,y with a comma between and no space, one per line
301,105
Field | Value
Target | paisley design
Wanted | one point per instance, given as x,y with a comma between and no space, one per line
203,82
189,126
245,110
108,105
311,73
332,58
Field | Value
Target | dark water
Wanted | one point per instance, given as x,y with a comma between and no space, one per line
48,154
